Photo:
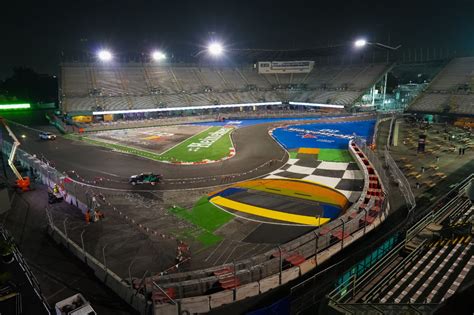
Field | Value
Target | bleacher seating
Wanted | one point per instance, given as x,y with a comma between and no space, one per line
75,81
137,86
438,267
452,90
458,71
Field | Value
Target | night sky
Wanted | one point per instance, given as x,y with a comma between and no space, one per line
34,33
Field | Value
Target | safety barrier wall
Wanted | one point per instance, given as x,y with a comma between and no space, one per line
257,275
113,281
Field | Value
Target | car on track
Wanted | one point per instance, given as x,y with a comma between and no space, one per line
145,178
47,136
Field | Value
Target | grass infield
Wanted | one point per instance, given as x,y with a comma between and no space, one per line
205,216
217,149
182,152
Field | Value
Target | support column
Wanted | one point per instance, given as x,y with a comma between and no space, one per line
396,129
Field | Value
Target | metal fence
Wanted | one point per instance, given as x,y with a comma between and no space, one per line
387,167
27,271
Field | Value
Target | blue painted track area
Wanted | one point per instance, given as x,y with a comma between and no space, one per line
249,122
323,135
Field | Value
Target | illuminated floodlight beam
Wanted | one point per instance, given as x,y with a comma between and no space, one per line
105,55
360,43
316,105
158,55
14,106
149,110
215,49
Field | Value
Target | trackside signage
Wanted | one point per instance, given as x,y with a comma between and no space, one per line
209,140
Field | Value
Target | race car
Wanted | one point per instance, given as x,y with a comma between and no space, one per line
145,178
47,136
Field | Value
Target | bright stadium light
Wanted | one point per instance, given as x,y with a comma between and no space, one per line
363,42
105,55
360,43
215,49
14,106
158,55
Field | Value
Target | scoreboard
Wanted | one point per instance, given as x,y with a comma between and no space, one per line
285,66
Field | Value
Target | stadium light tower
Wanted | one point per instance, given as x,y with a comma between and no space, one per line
158,55
105,55
215,49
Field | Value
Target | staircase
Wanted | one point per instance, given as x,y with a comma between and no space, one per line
227,278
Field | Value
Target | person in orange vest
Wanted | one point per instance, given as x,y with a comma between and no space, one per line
88,216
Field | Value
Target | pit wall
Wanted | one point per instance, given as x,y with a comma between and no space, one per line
263,273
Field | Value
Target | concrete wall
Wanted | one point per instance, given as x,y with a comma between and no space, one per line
114,282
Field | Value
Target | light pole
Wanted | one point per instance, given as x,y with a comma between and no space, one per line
360,43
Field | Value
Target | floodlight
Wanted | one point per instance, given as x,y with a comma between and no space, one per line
215,49
158,55
105,55
360,43
14,106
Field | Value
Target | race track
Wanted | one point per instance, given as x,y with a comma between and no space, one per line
254,148
257,154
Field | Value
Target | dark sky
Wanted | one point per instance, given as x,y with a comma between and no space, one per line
33,33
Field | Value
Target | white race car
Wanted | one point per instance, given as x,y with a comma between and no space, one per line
47,136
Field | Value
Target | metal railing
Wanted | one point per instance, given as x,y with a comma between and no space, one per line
434,213
27,271
341,296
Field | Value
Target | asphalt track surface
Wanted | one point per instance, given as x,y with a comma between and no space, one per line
254,147
103,167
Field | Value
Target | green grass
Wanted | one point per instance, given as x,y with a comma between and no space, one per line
218,150
293,154
179,153
334,155
207,217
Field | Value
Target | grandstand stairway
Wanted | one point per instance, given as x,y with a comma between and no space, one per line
226,278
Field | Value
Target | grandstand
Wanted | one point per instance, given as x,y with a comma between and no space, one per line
451,91
92,87
431,265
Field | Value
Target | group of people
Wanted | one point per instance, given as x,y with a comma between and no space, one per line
94,216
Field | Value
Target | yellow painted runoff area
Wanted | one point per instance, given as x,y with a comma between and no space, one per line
308,150
267,213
